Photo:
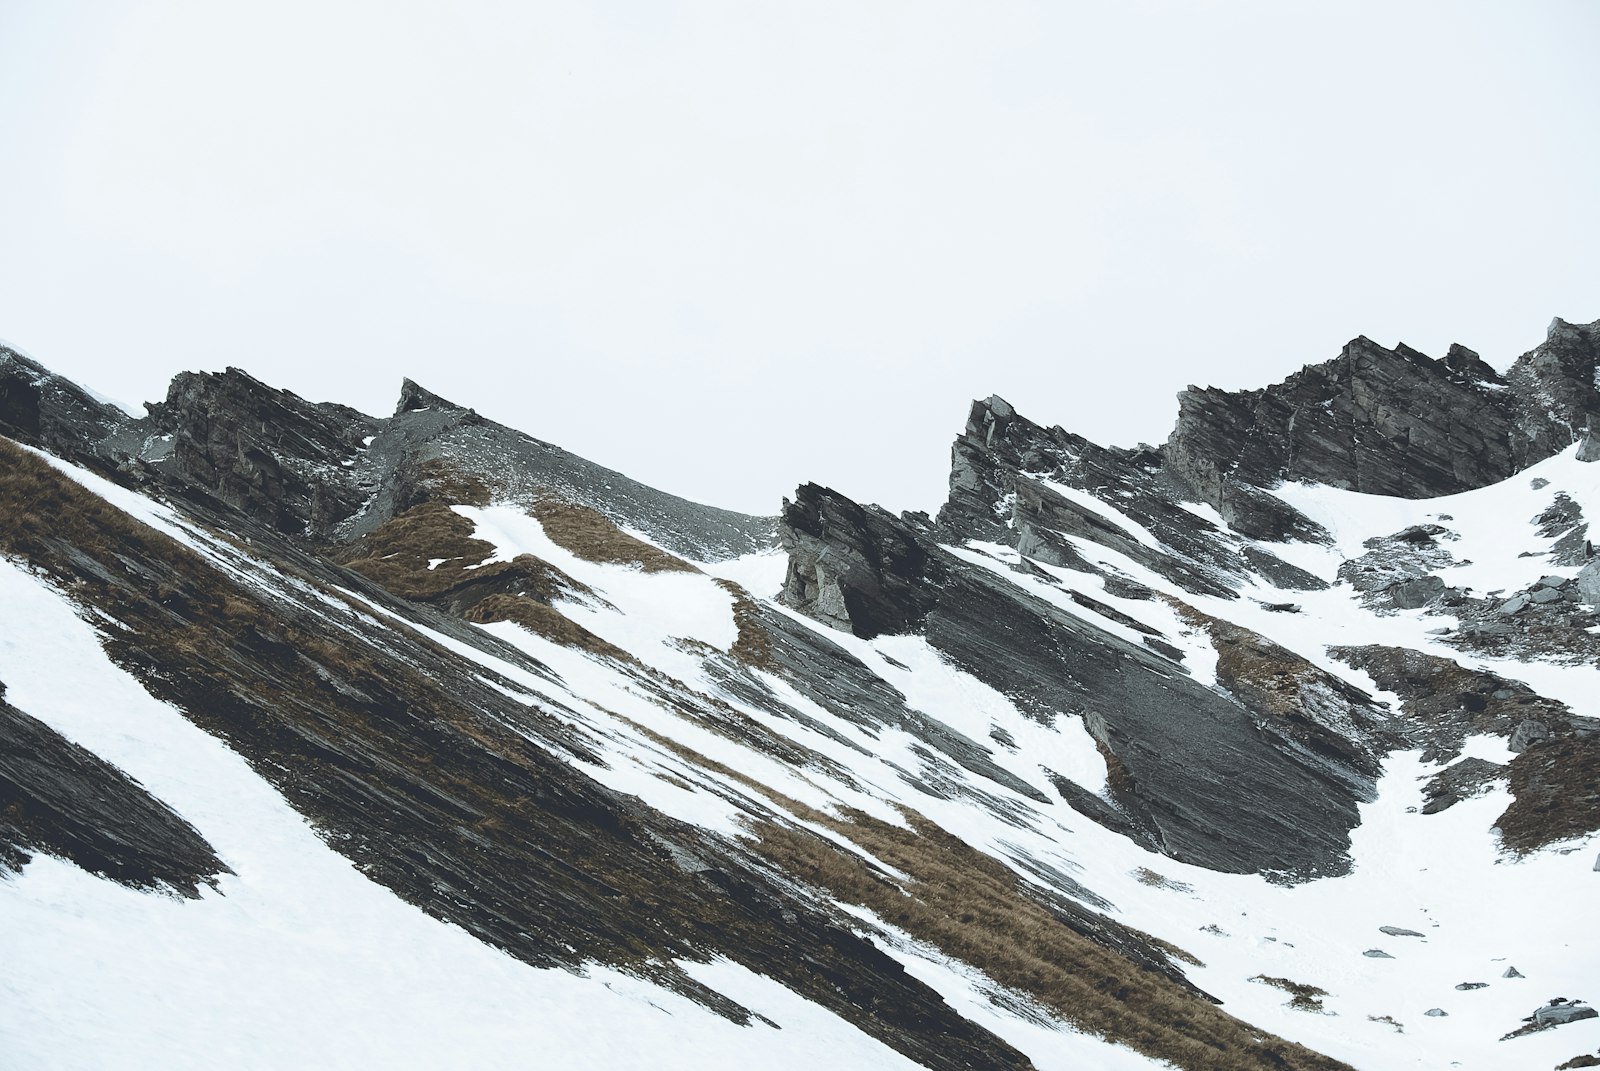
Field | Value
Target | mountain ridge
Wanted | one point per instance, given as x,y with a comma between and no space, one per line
919,770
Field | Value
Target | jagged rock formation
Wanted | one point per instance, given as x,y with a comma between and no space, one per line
1219,780
1388,422
1010,482
329,473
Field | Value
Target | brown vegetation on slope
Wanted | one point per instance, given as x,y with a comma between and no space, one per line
404,555
973,908
590,535
434,783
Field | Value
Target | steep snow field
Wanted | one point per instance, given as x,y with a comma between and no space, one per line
300,961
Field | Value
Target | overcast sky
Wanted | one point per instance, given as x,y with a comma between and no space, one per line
726,248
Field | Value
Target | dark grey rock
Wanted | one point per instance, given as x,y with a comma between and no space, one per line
1544,596
1514,605
1399,931
1392,422
1589,583
1460,781
1527,734
1213,779
1468,986
1415,594
1554,581
1561,1014
1437,1013
1004,476
1376,953
1589,446
59,798
1512,972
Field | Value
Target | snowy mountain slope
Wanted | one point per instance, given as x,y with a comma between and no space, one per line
954,788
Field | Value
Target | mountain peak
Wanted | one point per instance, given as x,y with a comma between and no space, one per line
414,397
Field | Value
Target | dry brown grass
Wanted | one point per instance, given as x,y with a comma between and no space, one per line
1145,876
972,908
753,646
1302,996
404,764
398,554
438,480
543,620
591,536
1556,786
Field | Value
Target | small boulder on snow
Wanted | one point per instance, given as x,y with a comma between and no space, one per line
1512,972
1376,953
1437,1013
1465,986
1399,931
1561,1014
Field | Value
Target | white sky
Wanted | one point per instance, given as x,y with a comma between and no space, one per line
730,247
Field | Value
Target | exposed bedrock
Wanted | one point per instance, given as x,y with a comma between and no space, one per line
1013,481
1225,780
59,798
1390,421
270,454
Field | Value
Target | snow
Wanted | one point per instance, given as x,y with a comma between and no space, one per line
1136,531
298,960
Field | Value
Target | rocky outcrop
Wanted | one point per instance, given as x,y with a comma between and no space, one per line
1041,490
1445,702
1399,571
1389,422
42,409
290,464
431,446
1226,781
58,798
857,568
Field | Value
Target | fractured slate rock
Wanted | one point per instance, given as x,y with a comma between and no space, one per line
1391,421
58,797
1217,779
1562,1014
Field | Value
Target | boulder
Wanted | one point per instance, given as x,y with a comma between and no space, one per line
1589,446
1467,986
1527,734
1437,1013
1398,931
1376,953
1512,972
1415,594
1514,605
1589,583
1561,1014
